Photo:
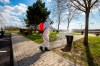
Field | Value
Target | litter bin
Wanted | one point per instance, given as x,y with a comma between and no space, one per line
69,39
2,34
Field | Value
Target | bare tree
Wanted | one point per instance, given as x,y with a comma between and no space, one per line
63,9
2,20
59,8
85,6
71,12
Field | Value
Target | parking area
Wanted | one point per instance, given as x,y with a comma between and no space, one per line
5,50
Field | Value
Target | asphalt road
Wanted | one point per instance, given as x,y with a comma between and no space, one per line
6,51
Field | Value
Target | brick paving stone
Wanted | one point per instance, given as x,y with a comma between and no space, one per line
27,53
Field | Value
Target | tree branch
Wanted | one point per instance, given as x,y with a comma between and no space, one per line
76,6
89,3
80,3
85,3
93,3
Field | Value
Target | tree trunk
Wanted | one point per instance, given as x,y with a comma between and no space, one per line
35,28
58,27
58,22
86,28
68,24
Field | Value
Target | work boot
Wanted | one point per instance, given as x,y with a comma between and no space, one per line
46,49
41,48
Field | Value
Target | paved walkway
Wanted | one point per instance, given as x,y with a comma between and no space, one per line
63,41
26,53
91,34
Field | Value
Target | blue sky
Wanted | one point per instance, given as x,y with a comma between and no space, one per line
14,11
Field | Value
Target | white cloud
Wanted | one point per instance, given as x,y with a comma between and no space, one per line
5,1
13,14
48,0
20,8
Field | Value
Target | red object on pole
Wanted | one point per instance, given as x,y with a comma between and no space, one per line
41,26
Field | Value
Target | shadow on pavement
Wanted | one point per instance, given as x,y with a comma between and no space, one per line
89,56
5,45
30,60
67,48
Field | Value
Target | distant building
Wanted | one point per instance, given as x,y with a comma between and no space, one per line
89,31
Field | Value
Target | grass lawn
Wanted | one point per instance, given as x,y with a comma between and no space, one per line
81,54
77,34
38,37
11,31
